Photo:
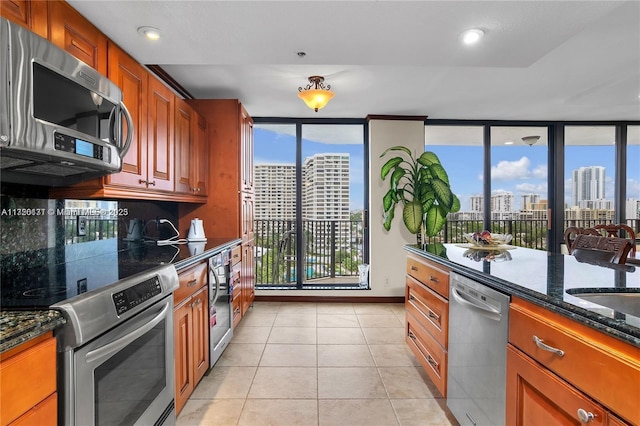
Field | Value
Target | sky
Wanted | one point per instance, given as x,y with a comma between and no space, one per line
518,169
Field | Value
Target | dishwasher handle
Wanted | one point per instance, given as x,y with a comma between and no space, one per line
476,305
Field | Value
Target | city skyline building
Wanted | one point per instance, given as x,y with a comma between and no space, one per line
587,185
275,191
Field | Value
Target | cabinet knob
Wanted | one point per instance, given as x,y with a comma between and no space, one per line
585,416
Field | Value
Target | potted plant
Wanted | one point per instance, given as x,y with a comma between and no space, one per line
422,186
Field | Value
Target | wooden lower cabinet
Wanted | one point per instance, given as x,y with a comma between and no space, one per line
28,383
535,396
191,334
247,276
559,370
427,327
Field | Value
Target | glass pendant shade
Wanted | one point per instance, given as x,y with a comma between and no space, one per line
316,95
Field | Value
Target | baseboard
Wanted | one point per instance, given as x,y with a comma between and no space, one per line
333,299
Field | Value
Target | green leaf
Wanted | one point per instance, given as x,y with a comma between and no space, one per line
427,200
388,218
455,206
388,200
390,165
428,158
397,148
434,220
397,174
443,193
412,216
437,171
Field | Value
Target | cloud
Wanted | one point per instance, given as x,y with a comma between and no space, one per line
531,188
511,170
633,189
540,172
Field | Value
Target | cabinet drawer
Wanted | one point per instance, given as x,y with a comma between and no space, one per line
43,414
602,367
191,279
431,355
27,378
428,308
429,273
236,255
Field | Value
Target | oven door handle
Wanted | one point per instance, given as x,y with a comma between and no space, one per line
112,347
217,280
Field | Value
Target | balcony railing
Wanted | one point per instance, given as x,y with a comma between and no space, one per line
334,249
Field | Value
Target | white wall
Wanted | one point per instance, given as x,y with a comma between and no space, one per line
387,254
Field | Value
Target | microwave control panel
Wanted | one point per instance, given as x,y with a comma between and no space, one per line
137,294
81,147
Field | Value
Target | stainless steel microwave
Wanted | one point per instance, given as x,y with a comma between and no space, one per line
61,121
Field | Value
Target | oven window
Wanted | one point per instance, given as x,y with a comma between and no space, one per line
128,382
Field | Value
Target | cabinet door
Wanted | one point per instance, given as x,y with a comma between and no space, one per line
535,396
132,79
200,303
29,14
200,155
183,129
183,353
72,32
247,230
246,150
160,166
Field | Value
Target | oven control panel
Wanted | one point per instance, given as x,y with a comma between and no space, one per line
133,296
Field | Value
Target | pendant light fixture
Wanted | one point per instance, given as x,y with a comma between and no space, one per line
315,94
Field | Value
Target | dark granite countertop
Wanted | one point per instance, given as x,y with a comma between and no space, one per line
544,278
17,327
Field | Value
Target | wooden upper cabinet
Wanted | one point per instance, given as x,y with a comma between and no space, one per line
72,32
183,128
161,164
30,14
132,79
246,150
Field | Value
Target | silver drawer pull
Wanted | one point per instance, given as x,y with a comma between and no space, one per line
434,279
585,416
413,268
411,335
433,315
432,362
540,343
192,283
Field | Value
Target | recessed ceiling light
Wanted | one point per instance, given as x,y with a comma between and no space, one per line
150,33
508,143
472,36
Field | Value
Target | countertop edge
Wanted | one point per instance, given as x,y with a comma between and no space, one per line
18,327
598,322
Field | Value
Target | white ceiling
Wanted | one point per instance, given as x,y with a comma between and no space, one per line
539,60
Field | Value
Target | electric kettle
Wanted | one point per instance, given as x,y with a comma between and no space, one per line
196,231
134,232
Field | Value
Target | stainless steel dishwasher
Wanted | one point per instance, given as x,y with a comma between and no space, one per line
478,333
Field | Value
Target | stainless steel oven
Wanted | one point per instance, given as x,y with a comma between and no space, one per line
116,353
220,309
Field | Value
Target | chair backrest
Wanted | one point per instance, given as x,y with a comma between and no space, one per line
619,230
602,249
572,232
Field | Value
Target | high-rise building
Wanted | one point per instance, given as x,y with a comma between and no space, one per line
587,185
528,200
475,202
275,189
501,202
325,191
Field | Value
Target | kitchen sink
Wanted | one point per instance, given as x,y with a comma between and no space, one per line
625,300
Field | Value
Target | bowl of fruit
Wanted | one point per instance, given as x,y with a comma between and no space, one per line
487,239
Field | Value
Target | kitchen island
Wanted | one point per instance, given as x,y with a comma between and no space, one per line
564,359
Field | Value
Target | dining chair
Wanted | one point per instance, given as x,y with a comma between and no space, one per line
572,232
603,249
619,230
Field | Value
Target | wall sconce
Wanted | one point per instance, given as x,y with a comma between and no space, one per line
530,140
315,94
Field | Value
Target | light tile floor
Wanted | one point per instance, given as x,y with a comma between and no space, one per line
326,364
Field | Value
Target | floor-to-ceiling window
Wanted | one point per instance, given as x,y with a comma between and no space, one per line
589,175
519,184
632,200
311,200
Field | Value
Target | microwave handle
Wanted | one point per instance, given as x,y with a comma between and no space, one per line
127,143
